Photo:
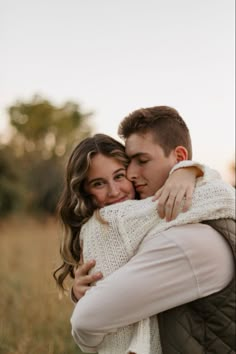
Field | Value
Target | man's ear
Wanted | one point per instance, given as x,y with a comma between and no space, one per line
181,153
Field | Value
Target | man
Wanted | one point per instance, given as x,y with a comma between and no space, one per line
187,272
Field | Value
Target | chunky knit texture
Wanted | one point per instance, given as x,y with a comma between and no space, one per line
113,243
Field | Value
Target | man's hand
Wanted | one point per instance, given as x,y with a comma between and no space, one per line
83,280
178,189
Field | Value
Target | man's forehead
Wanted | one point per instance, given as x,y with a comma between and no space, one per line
139,144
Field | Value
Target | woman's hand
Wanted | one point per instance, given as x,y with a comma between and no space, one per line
83,280
176,194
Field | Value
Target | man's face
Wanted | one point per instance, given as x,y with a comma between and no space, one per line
149,167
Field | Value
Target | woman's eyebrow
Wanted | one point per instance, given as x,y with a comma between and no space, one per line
102,178
119,170
95,180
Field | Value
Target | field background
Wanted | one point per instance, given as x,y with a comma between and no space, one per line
33,319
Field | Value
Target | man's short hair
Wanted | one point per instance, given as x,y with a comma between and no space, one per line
165,123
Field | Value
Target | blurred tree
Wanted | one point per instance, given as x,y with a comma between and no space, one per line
32,165
43,127
44,181
10,188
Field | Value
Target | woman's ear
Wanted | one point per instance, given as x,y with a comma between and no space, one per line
181,153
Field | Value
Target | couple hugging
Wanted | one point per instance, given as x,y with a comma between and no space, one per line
160,228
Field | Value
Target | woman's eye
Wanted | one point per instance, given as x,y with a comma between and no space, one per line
120,175
97,184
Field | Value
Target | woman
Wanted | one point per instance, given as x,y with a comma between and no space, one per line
112,235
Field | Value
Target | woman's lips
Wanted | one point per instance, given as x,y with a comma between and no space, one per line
120,200
123,199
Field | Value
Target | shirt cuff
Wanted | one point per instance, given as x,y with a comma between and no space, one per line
84,348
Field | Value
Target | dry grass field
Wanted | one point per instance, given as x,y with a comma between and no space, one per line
33,320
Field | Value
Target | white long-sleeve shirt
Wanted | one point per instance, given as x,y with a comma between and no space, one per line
165,271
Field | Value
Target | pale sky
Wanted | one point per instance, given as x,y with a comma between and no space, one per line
113,57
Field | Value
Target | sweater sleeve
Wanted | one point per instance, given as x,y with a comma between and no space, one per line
209,174
134,219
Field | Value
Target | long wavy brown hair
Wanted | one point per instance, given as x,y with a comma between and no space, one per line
76,206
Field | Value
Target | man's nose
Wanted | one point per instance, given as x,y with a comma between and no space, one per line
131,172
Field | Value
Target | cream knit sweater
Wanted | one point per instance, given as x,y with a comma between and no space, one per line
114,243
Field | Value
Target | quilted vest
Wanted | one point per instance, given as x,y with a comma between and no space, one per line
207,325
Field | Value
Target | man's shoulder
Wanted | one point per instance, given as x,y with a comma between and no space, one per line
196,233
191,227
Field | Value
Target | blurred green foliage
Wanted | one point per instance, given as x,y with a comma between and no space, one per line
32,163
10,186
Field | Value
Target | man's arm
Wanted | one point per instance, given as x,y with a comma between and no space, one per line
169,269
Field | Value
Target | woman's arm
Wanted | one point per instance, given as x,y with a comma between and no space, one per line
179,187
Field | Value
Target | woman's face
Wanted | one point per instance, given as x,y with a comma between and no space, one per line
106,181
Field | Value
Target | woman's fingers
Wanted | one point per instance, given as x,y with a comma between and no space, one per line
84,268
176,205
170,204
163,196
157,194
83,280
188,198
176,194
171,207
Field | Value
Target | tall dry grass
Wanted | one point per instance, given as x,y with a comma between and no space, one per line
33,320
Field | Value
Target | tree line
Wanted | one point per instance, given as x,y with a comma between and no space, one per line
32,162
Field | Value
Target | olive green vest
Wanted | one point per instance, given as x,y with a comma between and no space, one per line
207,325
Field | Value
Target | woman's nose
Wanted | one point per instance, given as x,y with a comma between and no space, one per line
113,190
